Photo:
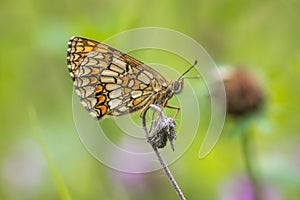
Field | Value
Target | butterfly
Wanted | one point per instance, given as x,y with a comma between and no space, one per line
112,83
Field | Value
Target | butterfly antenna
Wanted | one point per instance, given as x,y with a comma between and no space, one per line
193,77
195,63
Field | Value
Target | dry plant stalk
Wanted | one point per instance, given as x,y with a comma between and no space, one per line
164,129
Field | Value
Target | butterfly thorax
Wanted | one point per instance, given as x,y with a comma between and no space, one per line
166,93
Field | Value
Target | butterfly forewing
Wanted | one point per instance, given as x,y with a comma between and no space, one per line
108,81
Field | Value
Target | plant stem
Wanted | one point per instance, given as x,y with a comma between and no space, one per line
162,162
57,178
248,151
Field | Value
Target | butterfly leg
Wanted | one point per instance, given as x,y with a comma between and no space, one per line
174,107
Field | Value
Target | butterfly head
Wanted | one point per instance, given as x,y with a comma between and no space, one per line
174,87
178,85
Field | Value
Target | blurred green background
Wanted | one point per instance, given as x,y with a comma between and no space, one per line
41,156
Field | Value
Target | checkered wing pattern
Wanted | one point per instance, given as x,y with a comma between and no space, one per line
110,82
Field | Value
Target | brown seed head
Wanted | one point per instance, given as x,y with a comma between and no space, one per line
243,92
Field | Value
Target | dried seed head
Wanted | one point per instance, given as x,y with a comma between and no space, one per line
243,92
165,129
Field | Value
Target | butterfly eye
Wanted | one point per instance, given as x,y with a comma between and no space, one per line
177,86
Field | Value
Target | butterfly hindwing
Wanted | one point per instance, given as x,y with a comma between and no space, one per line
108,81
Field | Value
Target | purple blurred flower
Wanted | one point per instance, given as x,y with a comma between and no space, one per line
131,161
23,168
137,185
240,188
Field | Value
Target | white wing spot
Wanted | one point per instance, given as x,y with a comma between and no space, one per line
142,77
114,103
115,93
107,79
136,94
131,83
